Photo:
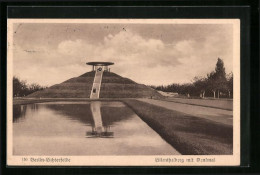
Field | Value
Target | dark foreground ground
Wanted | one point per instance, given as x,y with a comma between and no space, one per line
187,134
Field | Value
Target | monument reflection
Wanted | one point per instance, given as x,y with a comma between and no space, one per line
98,129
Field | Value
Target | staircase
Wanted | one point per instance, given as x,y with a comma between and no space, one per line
96,84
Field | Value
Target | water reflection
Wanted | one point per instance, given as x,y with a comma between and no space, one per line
61,129
73,112
98,129
19,111
101,116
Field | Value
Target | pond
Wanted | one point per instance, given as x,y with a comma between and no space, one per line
83,128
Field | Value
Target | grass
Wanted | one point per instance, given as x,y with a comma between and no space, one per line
115,86
114,90
187,134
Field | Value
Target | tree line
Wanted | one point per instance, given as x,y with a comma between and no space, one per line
215,84
21,88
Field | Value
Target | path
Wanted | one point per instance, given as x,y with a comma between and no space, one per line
214,103
218,115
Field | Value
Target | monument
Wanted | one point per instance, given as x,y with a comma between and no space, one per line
96,84
98,65
99,68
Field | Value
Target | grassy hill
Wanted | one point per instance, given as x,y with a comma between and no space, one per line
78,87
113,86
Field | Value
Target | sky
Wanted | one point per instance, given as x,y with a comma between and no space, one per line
151,54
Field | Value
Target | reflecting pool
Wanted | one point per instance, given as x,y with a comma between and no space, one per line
83,128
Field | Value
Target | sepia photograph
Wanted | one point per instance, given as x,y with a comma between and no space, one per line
123,92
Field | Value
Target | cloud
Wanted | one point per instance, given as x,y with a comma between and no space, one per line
145,60
126,47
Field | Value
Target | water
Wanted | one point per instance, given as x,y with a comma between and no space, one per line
83,128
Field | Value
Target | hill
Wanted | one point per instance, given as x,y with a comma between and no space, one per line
113,86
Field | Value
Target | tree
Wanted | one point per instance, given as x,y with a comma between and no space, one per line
211,83
20,87
200,84
17,87
220,69
221,80
186,89
217,79
230,84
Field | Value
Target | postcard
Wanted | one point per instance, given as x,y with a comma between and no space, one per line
123,92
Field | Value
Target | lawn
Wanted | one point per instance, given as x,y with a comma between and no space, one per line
187,134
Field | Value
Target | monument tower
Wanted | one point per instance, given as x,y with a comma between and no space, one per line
99,68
